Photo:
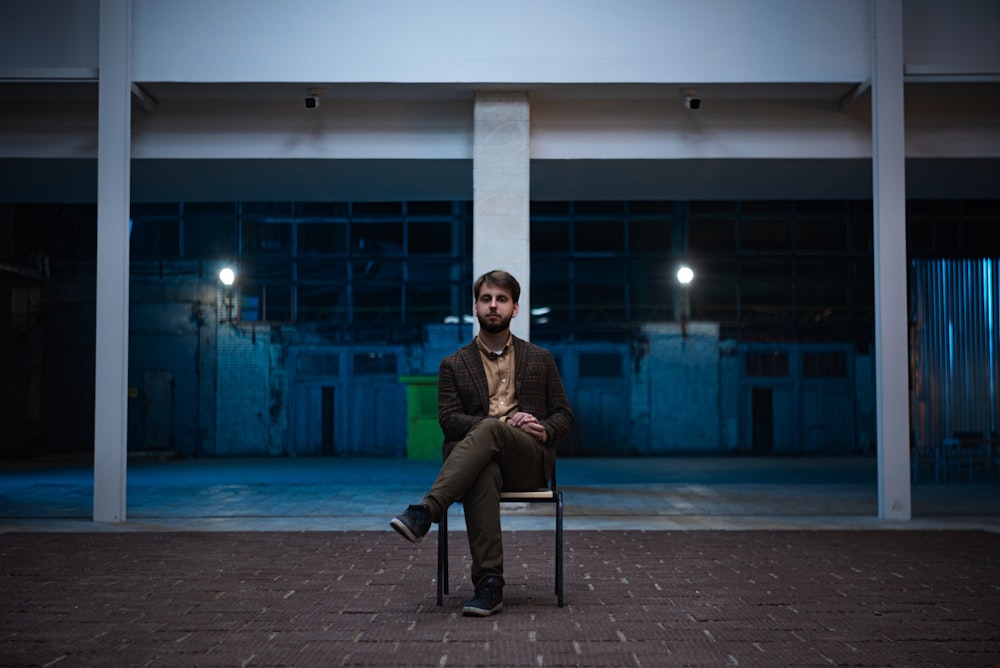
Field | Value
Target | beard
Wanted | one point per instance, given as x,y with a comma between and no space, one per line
494,326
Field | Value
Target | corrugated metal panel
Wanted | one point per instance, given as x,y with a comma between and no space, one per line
954,348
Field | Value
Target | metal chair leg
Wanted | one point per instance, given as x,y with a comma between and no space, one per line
442,555
442,567
559,548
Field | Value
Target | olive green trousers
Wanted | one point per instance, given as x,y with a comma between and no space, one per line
493,457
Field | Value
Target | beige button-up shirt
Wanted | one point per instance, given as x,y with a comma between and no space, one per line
499,367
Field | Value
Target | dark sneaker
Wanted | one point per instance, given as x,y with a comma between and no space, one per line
413,524
488,599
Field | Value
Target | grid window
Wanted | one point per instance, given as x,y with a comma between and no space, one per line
767,364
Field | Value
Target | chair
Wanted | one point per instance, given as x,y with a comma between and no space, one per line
550,494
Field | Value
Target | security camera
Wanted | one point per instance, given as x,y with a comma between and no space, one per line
692,103
312,102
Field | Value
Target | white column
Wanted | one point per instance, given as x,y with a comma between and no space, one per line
500,201
113,194
889,201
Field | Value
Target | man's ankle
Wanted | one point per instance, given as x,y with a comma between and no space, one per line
433,506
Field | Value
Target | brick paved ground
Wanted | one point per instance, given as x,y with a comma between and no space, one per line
633,598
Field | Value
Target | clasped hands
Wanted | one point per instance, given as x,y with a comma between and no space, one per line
529,424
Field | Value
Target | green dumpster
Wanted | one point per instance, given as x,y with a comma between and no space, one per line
423,433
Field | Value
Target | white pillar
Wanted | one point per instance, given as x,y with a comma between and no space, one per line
113,194
500,200
889,201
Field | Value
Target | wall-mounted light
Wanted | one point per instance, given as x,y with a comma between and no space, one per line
685,275
227,277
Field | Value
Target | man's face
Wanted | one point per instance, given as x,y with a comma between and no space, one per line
494,308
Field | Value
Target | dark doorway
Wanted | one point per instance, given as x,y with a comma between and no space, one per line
763,420
328,413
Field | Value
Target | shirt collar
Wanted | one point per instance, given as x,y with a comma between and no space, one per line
491,353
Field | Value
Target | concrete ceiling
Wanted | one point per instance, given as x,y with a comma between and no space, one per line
277,179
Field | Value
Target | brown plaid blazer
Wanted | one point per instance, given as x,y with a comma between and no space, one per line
463,395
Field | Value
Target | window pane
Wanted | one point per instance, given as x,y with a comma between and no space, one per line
821,235
715,290
322,238
768,235
427,302
598,208
377,238
862,240
549,208
264,271
374,364
824,365
712,235
321,210
650,236
862,291
550,288
380,303
266,290
322,303
766,289
278,302
651,208
550,236
155,239
429,208
251,301
267,210
604,236
360,210
821,289
209,237
597,302
429,238
767,364
317,270
650,289
267,238
600,290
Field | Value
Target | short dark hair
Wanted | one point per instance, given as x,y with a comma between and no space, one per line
500,279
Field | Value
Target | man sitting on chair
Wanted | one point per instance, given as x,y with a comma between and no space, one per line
502,407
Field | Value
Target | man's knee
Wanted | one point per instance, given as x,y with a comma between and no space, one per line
487,485
488,428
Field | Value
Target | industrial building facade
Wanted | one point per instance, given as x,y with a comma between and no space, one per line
357,164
